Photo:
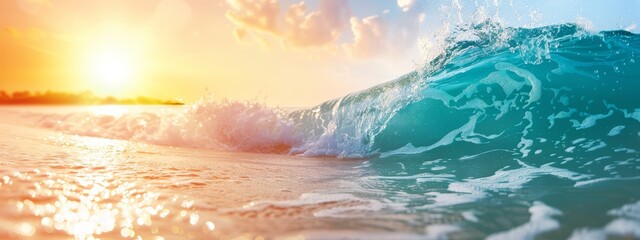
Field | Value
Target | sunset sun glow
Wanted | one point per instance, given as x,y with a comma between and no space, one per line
110,59
111,67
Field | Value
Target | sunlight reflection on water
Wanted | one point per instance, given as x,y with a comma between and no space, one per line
62,186
88,199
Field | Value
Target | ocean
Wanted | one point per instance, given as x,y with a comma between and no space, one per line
510,133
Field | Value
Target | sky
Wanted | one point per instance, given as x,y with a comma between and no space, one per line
278,52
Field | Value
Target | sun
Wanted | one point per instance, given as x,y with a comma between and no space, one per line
112,67
113,61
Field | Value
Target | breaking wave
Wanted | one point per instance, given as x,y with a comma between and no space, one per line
547,91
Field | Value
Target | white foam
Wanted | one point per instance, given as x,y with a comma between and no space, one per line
626,225
631,210
440,231
635,114
441,199
470,216
590,121
524,143
615,130
600,145
340,204
513,179
463,132
604,179
418,177
483,153
588,234
620,227
536,90
560,115
221,125
541,221
471,190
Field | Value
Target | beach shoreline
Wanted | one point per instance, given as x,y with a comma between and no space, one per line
131,184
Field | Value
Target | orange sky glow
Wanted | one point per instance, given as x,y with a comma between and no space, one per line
281,53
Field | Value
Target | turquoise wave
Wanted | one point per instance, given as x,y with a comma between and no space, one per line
556,92
511,133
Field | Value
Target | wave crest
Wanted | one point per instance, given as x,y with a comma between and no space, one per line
525,91
208,123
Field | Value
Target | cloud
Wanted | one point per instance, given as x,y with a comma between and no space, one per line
375,36
406,5
370,37
318,28
328,26
254,14
300,29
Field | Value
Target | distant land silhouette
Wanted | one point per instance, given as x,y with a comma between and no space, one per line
84,98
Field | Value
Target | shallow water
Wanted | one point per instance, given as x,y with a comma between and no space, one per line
56,186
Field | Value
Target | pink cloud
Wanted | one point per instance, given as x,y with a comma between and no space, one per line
317,28
406,5
300,27
370,37
254,14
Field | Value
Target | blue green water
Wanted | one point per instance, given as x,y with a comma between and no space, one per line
512,133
